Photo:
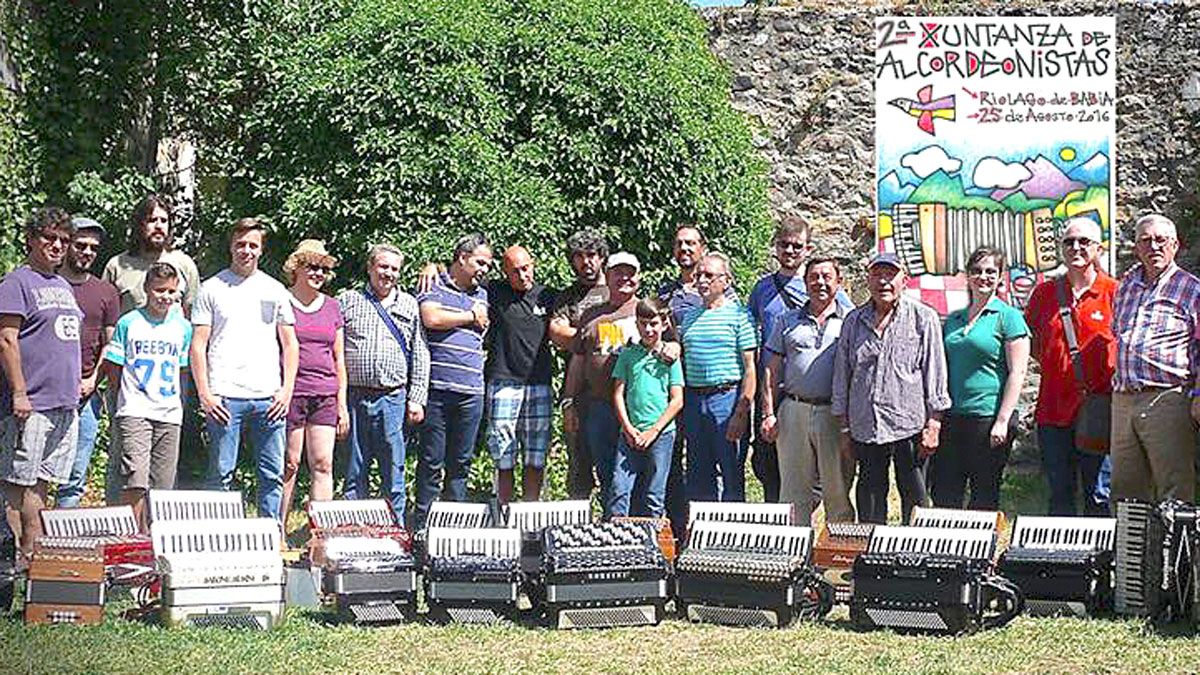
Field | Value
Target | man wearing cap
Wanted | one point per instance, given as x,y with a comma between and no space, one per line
604,330
890,390
100,304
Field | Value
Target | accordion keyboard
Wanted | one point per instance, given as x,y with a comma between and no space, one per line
776,539
458,515
350,512
978,544
89,522
741,512
533,517
1063,533
167,505
956,518
1135,562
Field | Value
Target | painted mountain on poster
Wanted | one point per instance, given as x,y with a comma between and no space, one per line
892,191
1095,171
1046,182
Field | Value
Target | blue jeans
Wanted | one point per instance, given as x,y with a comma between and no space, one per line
72,491
447,444
268,439
377,435
602,431
716,468
1066,466
644,475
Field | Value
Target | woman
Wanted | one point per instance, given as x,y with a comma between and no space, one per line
987,352
318,412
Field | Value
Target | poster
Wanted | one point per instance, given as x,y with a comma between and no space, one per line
991,130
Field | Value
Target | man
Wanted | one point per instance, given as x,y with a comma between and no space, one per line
150,241
387,369
455,315
773,295
518,372
799,370
890,390
1089,293
587,252
589,387
39,352
1156,320
244,359
718,373
101,307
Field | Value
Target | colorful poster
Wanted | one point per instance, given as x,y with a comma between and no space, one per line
991,130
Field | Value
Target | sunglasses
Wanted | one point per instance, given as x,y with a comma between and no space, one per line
1072,242
314,267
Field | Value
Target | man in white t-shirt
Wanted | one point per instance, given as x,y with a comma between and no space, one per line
243,322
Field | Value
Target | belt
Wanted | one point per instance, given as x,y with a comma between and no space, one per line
808,400
374,391
1150,388
715,389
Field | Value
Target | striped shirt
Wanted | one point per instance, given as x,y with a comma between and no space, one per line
1156,326
713,342
456,355
373,356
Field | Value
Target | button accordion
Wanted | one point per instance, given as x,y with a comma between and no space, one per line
1156,560
195,505
602,575
473,575
931,580
835,550
66,582
532,518
750,575
224,572
661,526
128,555
1063,565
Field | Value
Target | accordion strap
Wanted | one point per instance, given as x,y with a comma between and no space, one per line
1007,596
817,599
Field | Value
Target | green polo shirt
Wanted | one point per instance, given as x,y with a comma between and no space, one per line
975,361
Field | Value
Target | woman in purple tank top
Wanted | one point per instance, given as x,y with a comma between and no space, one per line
318,413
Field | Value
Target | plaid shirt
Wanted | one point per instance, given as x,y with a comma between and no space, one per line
373,357
1156,327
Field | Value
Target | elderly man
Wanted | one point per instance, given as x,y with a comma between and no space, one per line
39,352
890,390
387,369
1156,320
244,359
799,374
455,314
1085,294
718,365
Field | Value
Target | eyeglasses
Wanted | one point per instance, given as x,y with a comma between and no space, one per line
791,245
48,238
82,246
314,267
1081,242
1160,241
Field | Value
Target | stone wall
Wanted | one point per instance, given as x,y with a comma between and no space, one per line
804,74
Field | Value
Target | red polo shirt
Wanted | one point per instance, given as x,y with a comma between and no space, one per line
1059,395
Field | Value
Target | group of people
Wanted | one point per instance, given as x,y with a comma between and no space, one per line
832,394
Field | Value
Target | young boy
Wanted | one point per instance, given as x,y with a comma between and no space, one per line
144,358
647,397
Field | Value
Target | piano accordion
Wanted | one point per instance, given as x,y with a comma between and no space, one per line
741,512
750,575
957,519
128,555
931,580
225,572
1063,565
194,505
66,582
603,575
365,518
835,550
372,579
1156,560
532,519
473,574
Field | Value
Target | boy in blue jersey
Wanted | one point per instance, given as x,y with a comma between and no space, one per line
144,360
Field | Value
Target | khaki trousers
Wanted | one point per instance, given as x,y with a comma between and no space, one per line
809,456
1153,446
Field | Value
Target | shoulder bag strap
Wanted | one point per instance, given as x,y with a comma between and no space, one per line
389,322
781,287
1068,322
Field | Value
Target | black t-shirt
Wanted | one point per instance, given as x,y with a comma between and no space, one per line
518,342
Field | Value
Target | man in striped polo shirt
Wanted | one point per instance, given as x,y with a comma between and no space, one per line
455,315
718,364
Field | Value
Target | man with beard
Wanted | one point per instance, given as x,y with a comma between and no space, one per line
100,304
150,241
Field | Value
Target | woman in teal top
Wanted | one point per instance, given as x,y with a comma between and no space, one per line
987,352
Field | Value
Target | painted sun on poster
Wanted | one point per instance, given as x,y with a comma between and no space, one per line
991,130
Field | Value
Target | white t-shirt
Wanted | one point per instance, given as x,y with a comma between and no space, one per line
243,348
151,354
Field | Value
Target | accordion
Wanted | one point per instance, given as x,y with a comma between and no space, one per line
749,575
603,575
532,518
473,575
741,512
957,519
128,555
194,505
367,518
374,580
66,583
931,580
835,550
662,526
1156,560
1063,565
220,572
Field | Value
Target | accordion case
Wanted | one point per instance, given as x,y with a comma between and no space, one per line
1063,565
66,583
603,575
372,580
1156,560
128,555
749,575
473,575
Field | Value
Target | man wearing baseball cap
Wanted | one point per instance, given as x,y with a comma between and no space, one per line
889,390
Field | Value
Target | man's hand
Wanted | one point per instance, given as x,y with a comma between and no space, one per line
738,424
279,405
21,407
846,447
930,437
644,439
999,433
86,386
343,423
570,420
480,311
215,408
669,352
770,428
426,278
416,413
631,436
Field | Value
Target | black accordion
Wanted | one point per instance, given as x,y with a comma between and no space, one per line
1156,560
473,575
1063,565
603,575
532,518
750,575
933,580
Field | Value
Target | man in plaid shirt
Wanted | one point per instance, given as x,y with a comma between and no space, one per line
1156,320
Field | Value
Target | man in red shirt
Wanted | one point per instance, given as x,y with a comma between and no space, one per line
1060,395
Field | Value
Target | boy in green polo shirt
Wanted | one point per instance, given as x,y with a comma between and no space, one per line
648,394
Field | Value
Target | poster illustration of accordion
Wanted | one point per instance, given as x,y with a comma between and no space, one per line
991,130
